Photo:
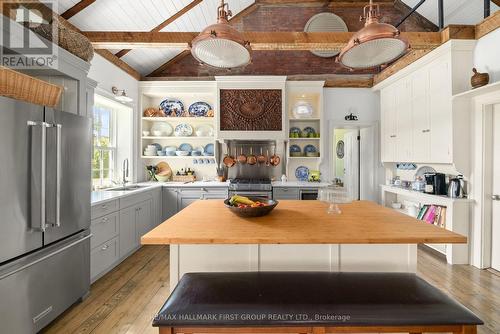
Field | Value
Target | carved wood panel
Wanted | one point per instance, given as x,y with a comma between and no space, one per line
250,110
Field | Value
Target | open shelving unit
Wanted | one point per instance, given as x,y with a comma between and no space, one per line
456,220
188,92
312,92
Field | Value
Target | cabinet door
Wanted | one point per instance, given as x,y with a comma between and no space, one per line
128,239
169,203
404,131
184,198
440,111
144,218
388,115
214,194
421,116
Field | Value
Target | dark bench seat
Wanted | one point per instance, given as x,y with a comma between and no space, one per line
318,302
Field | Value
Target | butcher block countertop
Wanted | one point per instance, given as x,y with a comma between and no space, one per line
297,222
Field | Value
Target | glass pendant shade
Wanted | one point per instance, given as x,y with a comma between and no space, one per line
374,45
220,45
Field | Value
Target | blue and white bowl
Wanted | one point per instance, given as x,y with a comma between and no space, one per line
310,149
182,153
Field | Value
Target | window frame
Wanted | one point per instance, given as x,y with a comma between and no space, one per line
112,148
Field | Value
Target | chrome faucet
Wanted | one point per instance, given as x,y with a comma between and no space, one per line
125,171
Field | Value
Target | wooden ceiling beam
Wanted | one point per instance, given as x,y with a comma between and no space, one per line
165,23
258,40
488,25
77,8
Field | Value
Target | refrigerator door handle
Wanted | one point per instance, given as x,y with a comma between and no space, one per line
43,160
58,174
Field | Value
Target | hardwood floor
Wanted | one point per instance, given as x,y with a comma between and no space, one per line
126,299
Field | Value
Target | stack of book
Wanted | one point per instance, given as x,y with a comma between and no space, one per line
433,214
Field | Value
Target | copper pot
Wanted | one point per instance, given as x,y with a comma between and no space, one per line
242,159
275,159
229,160
261,158
251,159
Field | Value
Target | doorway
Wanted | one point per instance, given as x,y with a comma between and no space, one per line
354,160
495,227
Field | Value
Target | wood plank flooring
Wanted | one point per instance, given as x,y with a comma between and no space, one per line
127,298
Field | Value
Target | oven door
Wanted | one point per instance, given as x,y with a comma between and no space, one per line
249,193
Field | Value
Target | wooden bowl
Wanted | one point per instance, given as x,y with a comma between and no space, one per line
253,212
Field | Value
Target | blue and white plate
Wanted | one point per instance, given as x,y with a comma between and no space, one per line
199,109
295,130
310,149
295,149
185,147
172,107
209,149
309,130
302,173
183,130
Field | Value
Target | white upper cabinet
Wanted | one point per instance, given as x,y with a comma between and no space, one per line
418,120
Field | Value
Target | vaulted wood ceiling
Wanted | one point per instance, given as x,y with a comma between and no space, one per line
179,16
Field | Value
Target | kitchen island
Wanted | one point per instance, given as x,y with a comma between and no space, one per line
296,235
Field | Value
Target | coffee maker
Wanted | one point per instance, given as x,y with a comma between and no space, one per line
435,184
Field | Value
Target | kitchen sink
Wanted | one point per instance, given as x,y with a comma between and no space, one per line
127,188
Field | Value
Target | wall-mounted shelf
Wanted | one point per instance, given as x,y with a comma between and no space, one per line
178,119
304,157
177,157
312,119
174,138
315,138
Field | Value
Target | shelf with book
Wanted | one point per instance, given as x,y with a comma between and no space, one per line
449,213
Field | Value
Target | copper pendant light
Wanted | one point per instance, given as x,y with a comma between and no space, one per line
374,45
220,45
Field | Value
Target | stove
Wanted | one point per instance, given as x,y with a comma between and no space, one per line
251,187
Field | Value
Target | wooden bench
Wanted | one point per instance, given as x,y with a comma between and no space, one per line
311,302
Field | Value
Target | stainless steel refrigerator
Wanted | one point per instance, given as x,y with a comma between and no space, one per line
44,213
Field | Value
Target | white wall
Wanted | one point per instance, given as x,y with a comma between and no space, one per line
486,55
108,75
338,102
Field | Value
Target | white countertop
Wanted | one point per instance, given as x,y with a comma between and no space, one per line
422,195
300,184
101,196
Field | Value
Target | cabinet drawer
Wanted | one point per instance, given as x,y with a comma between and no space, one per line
103,209
286,193
103,229
103,257
130,200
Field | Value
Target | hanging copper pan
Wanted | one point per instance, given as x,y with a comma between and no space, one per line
275,159
251,159
261,158
242,159
229,160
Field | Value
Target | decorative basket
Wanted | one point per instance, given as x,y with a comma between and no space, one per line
23,87
68,39
184,178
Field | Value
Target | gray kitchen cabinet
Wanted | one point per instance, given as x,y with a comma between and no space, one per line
103,257
186,197
169,202
214,193
285,193
144,221
128,239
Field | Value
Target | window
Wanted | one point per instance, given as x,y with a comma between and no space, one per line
104,141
